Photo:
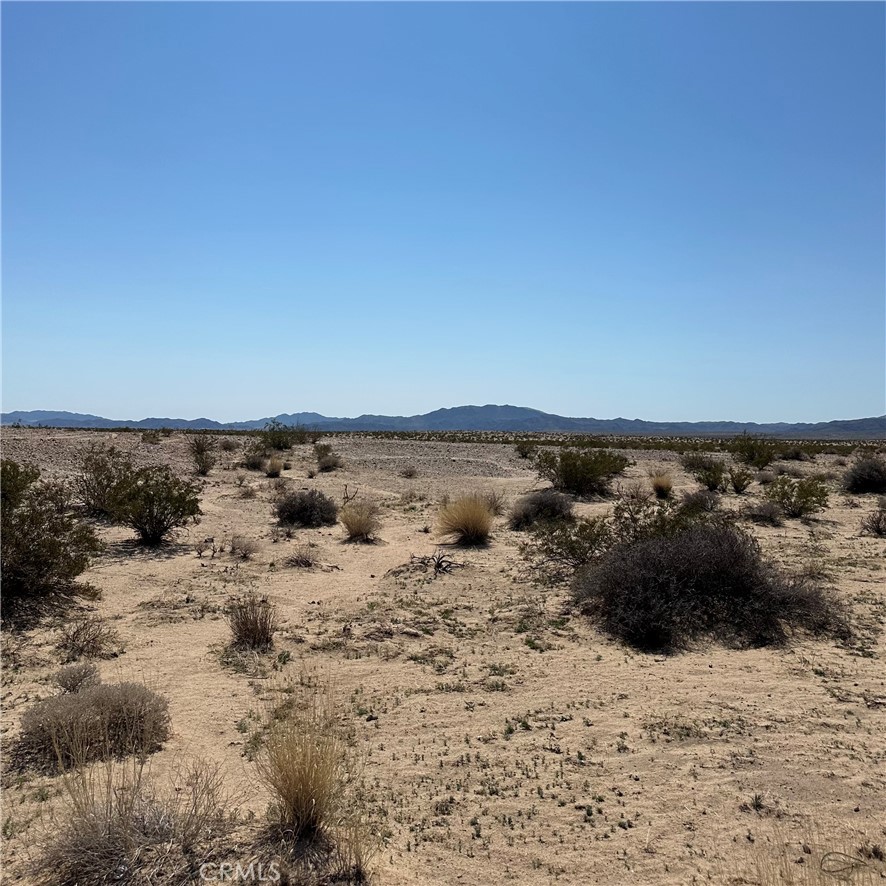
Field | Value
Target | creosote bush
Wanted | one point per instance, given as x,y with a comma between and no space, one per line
157,502
327,460
709,471
766,513
466,520
102,480
100,722
276,435
739,479
525,448
44,548
755,451
580,472
202,446
361,520
867,474
254,460
663,593
546,504
253,621
798,498
307,507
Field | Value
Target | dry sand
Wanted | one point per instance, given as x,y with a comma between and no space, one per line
491,715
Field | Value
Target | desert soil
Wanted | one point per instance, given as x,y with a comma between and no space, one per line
505,739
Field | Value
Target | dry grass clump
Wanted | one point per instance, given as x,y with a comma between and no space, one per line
466,520
244,548
867,474
330,462
99,722
274,467
361,520
75,677
116,825
497,501
302,557
708,581
229,444
702,501
546,504
253,621
307,507
87,637
254,460
662,485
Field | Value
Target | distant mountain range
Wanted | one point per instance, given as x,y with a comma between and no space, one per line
517,419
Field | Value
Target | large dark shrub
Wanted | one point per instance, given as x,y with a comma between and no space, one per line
102,480
44,548
156,502
103,721
276,435
546,504
307,507
868,474
665,592
580,472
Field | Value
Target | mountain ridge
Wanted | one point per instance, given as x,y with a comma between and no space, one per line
491,417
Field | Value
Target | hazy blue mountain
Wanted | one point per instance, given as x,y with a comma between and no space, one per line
518,419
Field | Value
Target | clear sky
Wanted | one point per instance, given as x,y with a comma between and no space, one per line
232,210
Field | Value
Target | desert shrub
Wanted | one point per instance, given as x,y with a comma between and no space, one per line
307,766
467,520
202,446
409,472
321,449
43,548
75,677
276,435
794,453
254,460
739,479
243,547
496,501
766,513
252,620
580,472
525,448
709,581
328,460
248,492
157,502
707,470
229,444
875,522
361,520
798,498
546,504
307,507
662,485
105,721
87,637
116,825
302,557
102,480
151,437
755,451
866,474
557,548
764,478
792,471
702,501
274,467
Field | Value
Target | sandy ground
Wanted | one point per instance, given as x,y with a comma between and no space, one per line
505,739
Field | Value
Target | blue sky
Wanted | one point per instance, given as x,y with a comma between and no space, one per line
661,211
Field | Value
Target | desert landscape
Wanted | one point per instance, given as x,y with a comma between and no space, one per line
494,729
